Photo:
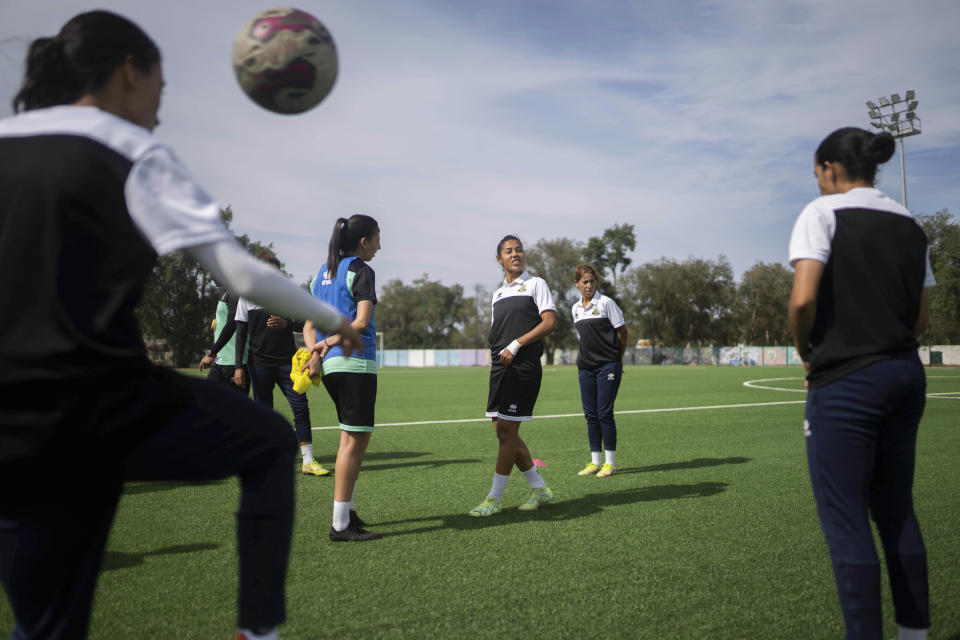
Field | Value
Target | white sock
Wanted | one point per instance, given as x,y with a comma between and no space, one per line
307,451
595,457
498,486
270,635
906,633
610,455
341,515
533,478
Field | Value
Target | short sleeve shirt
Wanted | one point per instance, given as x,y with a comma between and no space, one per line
876,265
516,309
596,326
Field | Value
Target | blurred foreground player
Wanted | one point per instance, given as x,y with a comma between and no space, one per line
88,199
859,298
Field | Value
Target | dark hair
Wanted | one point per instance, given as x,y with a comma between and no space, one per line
858,150
585,268
80,59
270,257
504,239
346,238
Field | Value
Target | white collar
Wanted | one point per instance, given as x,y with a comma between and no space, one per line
523,277
594,300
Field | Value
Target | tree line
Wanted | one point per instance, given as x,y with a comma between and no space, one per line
670,302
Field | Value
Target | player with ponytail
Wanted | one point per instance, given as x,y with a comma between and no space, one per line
859,299
88,200
347,282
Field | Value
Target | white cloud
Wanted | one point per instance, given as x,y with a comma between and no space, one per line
453,129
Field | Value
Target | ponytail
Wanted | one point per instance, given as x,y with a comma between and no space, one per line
80,59
48,79
340,238
346,237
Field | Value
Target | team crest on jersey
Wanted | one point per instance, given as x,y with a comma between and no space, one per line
523,287
596,311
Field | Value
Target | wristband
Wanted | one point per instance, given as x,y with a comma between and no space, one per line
513,347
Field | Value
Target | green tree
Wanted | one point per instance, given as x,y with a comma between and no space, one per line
608,253
943,237
425,313
679,303
474,327
180,299
555,261
762,297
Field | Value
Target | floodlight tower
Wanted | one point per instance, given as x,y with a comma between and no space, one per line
899,127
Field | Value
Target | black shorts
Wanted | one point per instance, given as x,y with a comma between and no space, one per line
223,373
355,396
514,390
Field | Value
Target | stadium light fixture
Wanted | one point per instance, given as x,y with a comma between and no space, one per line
898,127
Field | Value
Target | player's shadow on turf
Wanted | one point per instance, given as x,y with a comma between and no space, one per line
122,560
399,455
561,510
687,464
433,464
377,455
134,488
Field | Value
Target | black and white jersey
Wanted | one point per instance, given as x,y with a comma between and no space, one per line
596,326
87,201
269,346
516,310
876,265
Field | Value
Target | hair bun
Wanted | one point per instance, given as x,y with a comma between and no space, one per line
879,148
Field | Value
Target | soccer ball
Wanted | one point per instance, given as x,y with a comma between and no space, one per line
285,60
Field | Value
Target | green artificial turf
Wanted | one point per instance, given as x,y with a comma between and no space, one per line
707,530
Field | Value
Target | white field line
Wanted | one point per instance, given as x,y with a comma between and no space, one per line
946,395
578,415
950,395
752,384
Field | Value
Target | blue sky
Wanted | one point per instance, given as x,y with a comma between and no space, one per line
454,123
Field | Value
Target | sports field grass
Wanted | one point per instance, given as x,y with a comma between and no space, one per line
707,530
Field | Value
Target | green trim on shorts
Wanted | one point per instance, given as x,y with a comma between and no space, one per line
350,427
344,364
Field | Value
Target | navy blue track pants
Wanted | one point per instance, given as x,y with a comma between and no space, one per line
861,435
598,392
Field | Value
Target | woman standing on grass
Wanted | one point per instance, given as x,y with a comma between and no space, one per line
88,199
347,283
859,299
603,339
523,313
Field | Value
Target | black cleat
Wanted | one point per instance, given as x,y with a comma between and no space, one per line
356,521
353,534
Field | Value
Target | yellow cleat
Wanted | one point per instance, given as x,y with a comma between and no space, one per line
314,469
590,469
606,470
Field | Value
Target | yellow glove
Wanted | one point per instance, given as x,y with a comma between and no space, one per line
302,381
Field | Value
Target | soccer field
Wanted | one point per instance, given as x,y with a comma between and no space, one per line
707,530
